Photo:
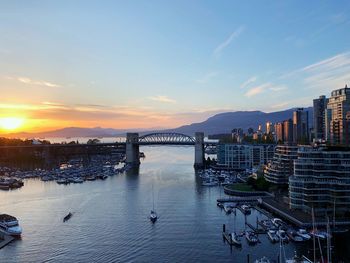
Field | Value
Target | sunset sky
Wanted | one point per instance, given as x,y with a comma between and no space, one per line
143,64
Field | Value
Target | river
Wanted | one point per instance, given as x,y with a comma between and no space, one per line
110,218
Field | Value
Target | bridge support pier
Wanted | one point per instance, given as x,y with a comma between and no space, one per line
132,149
199,150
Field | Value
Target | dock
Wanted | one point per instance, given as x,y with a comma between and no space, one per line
5,240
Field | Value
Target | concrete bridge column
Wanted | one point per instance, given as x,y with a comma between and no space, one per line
199,150
132,148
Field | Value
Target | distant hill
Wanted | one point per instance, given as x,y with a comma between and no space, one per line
73,132
225,122
219,123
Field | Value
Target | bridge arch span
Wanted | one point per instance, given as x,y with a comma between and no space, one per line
166,138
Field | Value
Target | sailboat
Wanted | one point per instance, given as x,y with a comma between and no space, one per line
153,215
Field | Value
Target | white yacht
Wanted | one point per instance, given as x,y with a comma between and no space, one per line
9,225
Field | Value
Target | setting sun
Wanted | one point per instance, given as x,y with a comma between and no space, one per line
11,123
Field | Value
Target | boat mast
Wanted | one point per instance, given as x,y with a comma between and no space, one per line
313,229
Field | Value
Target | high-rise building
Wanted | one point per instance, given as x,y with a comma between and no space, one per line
269,127
281,166
321,180
337,108
320,106
279,132
288,131
300,126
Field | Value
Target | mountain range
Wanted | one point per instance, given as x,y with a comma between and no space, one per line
219,123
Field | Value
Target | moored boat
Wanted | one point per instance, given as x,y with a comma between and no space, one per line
304,234
272,235
282,235
236,240
292,234
251,237
9,225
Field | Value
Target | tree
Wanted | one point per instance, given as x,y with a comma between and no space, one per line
93,141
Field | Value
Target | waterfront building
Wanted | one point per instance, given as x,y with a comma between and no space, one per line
319,120
300,126
281,166
288,131
321,180
337,108
244,156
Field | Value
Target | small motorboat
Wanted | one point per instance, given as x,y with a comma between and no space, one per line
153,216
282,236
219,204
272,235
294,236
67,217
277,222
236,240
262,260
251,237
304,234
245,209
228,209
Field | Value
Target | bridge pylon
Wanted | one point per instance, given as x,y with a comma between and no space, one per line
132,149
199,150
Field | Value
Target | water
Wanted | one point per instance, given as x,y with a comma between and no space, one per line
110,221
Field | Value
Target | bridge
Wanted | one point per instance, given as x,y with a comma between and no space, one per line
134,141
130,147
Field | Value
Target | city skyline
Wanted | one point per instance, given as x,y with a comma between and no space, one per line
143,65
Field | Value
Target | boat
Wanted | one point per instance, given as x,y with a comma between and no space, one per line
219,204
67,217
277,222
251,237
9,225
272,235
297,259
262,260
78,180
282,235
304,234
90,178
292,234
245,209
228,209
153,215
236,240
61,181
319,234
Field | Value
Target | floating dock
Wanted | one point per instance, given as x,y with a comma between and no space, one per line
5,240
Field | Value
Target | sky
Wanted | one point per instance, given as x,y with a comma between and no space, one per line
152,64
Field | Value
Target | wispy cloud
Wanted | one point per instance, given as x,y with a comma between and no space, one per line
161,98
218,50
264,87
206,78
333,72
248,82
256,90
37,82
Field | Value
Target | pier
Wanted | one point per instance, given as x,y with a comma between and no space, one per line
5,240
